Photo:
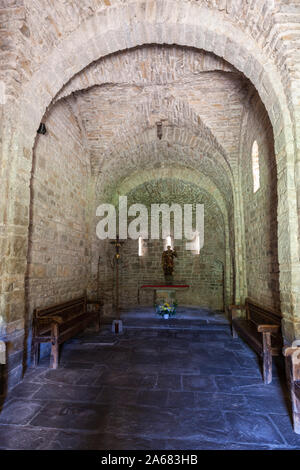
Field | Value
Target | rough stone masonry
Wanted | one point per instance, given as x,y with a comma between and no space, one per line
218,75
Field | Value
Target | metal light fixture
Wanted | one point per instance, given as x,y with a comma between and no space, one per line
159,129
42,129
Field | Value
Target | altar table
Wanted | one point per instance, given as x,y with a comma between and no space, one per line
165,292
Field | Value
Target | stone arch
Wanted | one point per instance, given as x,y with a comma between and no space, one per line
138,23
147,23
198,179
145,144
121,68
213,166
184,174
178,117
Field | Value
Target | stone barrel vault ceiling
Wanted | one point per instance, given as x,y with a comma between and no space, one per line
33,28
199,98
218,74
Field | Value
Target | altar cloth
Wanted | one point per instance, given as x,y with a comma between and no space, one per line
166,286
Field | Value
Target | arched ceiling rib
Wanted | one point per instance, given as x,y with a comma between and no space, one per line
200,109
173,190
190,176
156,155
37,27
174,136
199,99
196,89
110,121
147,65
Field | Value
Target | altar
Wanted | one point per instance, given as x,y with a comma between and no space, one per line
165,292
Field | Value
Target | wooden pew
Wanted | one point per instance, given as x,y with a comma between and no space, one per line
58,323
261,329
292,366
2,363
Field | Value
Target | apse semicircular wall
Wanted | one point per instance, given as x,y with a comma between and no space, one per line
204,272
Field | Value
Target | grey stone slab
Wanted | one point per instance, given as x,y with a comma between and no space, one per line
278,404
152,390
24,438
91,377
221,401
246,385
198,382
207,425
25,390
154,344
72,376
203,348
145,349
19,411
53,391
157,398
211,367
193,444
248,362
128,380
225,362
149,369
180,366
77,441
141,422
256,446
123,357
167,423
250,428
117,396
177,360
238,346
181,400
35,374
284,424
213,335
113,442
242,372
173,346
168,382
72,416
91,355
145,359
76,365
65,376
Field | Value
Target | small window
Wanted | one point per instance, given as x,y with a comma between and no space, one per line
140,246
169,241
255,167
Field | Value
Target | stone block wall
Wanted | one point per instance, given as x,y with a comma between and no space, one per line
260,209
41,53
204,272
59,249
59,254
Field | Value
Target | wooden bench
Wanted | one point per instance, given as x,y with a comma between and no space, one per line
58,323
2,363
261,329
292,366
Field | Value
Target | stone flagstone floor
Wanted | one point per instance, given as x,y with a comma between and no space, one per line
151,388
